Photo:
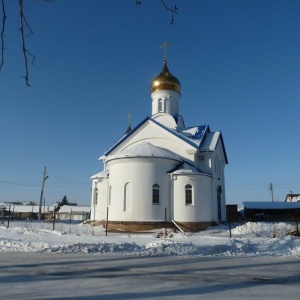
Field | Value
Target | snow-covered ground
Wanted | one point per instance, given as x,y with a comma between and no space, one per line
249,239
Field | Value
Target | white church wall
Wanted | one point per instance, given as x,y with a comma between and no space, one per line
128,190
166,120
98,208
165,101
157,136
203,161
200,209
141,173
219,180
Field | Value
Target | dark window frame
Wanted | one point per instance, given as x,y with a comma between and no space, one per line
188,194
155,194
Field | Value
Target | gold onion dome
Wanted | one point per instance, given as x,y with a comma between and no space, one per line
165,81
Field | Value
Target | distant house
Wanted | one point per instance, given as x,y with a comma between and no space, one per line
292,198
67,212
75,213
271,211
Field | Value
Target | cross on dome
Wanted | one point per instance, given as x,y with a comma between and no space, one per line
129,123
165,80
165,45
129,117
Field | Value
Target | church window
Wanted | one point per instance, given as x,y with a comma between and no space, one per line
188,194
95,196
109,195
155,194
127,197
160,105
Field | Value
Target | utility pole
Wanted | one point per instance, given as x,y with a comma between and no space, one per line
42,193
271,190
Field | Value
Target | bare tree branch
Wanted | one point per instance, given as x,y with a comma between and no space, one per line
172,10
24,49
27,25
3,34
24,25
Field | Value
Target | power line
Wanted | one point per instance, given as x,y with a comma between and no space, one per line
261,194
71,180
6,183
36,171
17,183
17,167
253,186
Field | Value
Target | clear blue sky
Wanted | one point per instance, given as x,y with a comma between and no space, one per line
238,63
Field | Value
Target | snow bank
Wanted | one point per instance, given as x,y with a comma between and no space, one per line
249,239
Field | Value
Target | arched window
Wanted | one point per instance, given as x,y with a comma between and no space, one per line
160,105
155,194
127,197
95,196
109,195
188,194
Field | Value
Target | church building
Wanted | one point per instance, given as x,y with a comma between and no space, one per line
162,173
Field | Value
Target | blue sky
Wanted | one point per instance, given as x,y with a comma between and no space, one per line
238,63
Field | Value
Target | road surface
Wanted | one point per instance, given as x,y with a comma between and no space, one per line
57,276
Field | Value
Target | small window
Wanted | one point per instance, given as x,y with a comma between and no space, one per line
188,194
109,195
95,196
155,194
127,197
160,105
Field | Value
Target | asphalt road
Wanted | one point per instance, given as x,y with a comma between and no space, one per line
53,276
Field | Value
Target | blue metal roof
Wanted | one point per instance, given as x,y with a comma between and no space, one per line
193,169
179,135
222,142
193,136
125,136
196,132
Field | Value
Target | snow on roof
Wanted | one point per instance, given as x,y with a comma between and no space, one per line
194,136
123,138
271,205
145,149
186,168
197,132
210,142
102,174
292,198
77,208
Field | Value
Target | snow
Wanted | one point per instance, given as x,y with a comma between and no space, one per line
77,261
248,239
145,149
186,168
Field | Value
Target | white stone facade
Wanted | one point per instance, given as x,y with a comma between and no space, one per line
162,171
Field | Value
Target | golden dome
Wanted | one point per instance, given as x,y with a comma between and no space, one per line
165,81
